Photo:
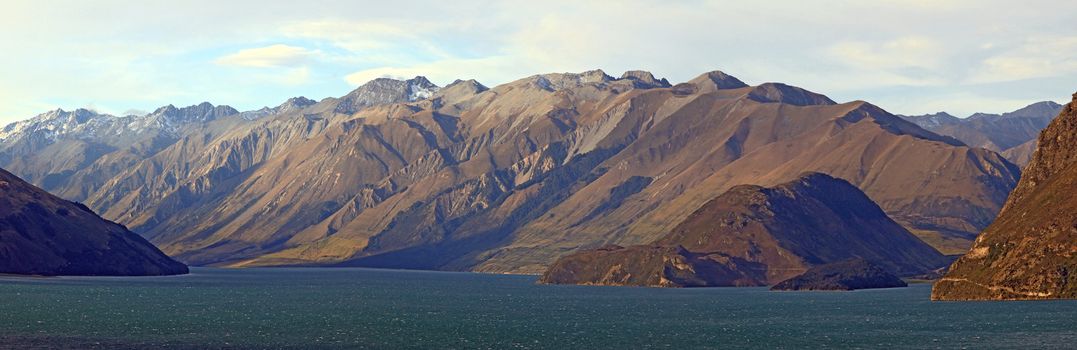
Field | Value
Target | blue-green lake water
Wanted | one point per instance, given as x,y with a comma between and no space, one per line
386,309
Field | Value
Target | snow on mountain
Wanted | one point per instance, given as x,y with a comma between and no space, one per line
86,124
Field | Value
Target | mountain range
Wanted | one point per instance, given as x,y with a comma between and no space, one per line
1012,134
406,174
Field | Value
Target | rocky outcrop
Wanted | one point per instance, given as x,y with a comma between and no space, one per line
757,236
645,80
1030,251
43,235
851,274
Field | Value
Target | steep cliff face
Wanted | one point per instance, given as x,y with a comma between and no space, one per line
41,234
757,236
1030,251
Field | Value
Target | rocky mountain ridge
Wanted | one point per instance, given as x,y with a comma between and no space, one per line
1012,134
509,178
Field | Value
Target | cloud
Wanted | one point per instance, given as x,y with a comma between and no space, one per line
499,69
279,55
904,52
1036,57
296,76
907,55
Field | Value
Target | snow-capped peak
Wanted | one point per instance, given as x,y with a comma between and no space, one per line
417,90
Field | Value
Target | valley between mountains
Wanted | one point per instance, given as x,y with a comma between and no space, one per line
407,174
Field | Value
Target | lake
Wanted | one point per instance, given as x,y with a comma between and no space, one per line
368,308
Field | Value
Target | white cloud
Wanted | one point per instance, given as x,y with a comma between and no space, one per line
499,69
1036,57
904,54
297,76
278,55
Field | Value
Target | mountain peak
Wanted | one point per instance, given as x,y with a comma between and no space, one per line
459,90
470,84
596,75
782,93
716,80
644,79
382,91
164,109
420,88
941,114
201,112
420,80
299,100
560,81
1035,110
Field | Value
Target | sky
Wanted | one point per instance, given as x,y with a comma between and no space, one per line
909,57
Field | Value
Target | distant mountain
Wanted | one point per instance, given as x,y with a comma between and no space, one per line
72,153
1013,134
403,173
383,91
1030,251
292,105
753,235
41,234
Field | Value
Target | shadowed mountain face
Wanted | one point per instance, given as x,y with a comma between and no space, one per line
41,234
753,235
1030,251
504,179
1013,134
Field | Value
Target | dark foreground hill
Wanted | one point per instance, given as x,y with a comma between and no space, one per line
754,235
41,234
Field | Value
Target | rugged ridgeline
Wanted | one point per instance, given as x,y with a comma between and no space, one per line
1012,134
505,179
753,235
1030,251
41,234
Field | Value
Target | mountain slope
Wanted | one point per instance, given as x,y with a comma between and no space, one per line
44,235
1007,133
758,236
507,179
1030,251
